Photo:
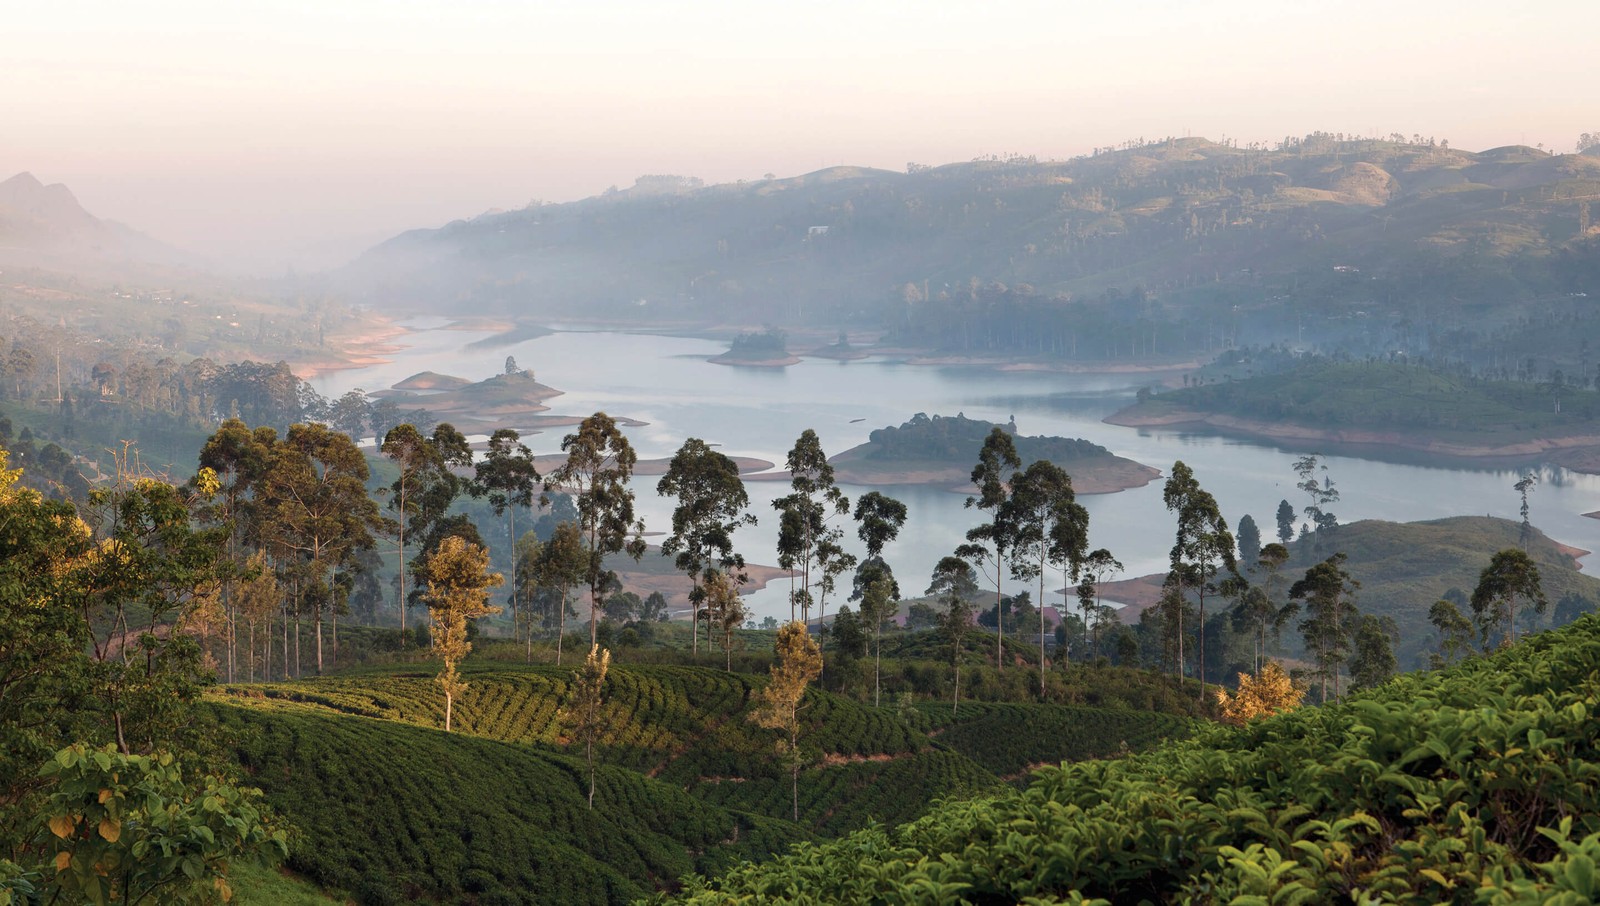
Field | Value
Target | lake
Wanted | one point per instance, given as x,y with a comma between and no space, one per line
666,382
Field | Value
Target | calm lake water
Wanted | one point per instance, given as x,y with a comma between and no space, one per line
666,382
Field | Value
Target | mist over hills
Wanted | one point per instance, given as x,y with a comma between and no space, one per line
44,225
1321,220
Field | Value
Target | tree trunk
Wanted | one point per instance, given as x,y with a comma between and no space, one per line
955,701
449,701
1200,645
877,666
400,556
319,639
999,616
561,628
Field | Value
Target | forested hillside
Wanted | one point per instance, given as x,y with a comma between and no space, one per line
1151,249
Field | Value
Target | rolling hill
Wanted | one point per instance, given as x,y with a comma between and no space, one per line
1255,238
687,784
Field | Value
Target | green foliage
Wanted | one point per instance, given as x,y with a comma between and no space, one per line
1475,784
1385,396
460,818
1012,739
958,438
123,828
1404,567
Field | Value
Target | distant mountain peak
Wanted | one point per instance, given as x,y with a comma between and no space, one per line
38,218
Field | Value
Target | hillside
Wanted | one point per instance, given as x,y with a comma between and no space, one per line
1385,404
1186,242
1404,567
1472,785
45,224
678,750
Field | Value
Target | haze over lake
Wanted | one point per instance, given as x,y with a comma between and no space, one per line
666,382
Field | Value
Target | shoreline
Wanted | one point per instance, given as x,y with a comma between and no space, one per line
372,346
1580,453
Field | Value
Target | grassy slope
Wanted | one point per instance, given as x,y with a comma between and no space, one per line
679,750
1404,567
1433,788
1013,738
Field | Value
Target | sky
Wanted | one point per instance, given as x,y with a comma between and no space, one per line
295,134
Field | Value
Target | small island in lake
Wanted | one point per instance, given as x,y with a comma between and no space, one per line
504,400
941,450
758,349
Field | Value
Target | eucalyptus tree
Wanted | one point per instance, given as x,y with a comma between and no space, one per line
424,489
1098,566
563,562
878,604
953,580
805,539
1330,623
1455,633
599,464
711,507
988,544
1510,578
1259,610
1319,491
1524,487
317,496
507,477
1203,548
239,457
458,592
1052,529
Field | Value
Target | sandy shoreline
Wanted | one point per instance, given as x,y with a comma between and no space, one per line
372,346
1573,449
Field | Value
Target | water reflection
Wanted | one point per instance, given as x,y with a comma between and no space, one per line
759,412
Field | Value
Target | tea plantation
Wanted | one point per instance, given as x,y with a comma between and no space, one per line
1480,784
392,809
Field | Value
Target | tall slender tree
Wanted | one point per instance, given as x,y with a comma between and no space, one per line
599,463
507,477
1330,623
458,591
563,562
585,715
711,507
779,702
318,499
423,491
1052,528
805,537
1319,490
1524,487
988,544
239,457
1098,566
1202,549
953,581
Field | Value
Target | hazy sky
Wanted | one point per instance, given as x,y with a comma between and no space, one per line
291,131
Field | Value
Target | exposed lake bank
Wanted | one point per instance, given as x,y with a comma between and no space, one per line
1578,452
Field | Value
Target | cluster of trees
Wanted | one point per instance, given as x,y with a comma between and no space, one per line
107,790
943,437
